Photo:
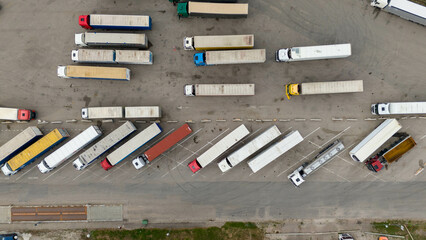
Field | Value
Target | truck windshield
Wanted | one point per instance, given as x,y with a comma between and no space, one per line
289,53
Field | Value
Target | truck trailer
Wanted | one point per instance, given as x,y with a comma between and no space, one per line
162,146
213,10
312,88
219,90
274,151
218,42
298,176
131,146
210,58
69,149
34,151
105,21
152,112
16,114
249,149
112,56
400,108
137,40
19,143
101,112
374,140
313,53
387,156
99,148
98,73
406,9
219,148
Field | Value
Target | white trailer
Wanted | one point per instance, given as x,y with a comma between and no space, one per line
219,90
374,140
19,143
133,57
313,53
130,146
209,58
112,56
101,112
398,108
142,112
91,72
138,40
406,9
274,151
69,149
218,42
122,22
99,148
313,88
219,148
298,176
249,149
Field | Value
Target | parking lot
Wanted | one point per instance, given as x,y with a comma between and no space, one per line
388,53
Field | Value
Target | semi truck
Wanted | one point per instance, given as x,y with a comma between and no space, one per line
19,143
219,90
374,140
69,149
99,148
138,40
98,73
210,58
400,108
16,114
274,151
249,149
219,148
312,88
152,112
218,42
34,151
387,156
112,56
131,146
213,10
105,21
298,176
162,146
407,9
101,112
313,53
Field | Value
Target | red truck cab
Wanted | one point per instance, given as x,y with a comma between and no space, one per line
106,165
83,21
374,164
26,115
194,166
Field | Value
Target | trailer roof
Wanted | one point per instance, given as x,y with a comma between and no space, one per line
8,113
224,41
408,107
119,20
104,55
236,56
313,52
116,38
133,56
75,71
14,144
409,6
218,8
105,112
332,87
225,89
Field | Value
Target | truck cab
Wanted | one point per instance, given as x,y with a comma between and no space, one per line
84,21
26,115
188,43
9,236
182,9
139,162
7,171
283,55
379,3
380,108
62,71
78,165
292,89
199,59
42,166
374,164
79,40
106,165
296,178
194,166
189,90
85,113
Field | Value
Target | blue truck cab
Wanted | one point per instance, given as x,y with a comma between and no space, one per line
199,59
10,236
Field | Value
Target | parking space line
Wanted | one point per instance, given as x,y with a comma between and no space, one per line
316,145
335,174
312,132
25,173
296,163
336,135
57,170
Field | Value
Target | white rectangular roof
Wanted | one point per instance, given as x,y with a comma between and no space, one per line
133,56
224,41
235,56
332,87
115,38
9,113
95,55
119,20
224,89
318,52
218,8
20,140
408,107
143,112
105,112
409,6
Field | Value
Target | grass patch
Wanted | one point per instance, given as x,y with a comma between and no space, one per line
229,231
416,228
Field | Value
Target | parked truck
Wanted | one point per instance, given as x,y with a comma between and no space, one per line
400,108
313,53
138,40
105,21
374,140
387,156
19,143
16,114
324,87
112,56
131,146
213,10
249,149
162,146
219,148
413,11
218,42
275,151
101,112
210,58
99,148
98,73
219,90
69,149
34,151
298,176
152,112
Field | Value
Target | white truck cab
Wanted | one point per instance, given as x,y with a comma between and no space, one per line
79,39
62,71
282,55
85,113
139,162
379,3
188,43
189,90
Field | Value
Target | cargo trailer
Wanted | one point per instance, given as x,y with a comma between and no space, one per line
219,90
98,73
106,21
